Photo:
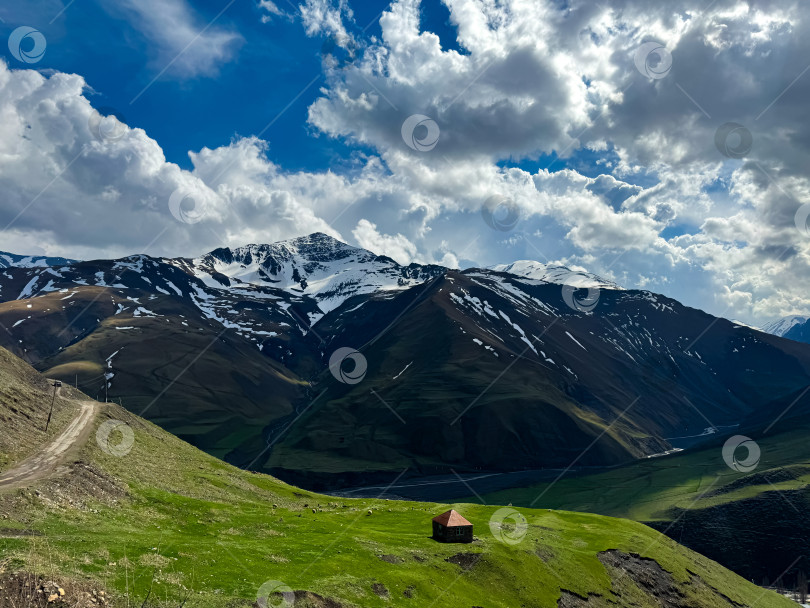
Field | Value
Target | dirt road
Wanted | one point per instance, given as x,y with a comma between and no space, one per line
45,462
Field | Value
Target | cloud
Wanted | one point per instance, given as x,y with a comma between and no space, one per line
626,177
94,196
397,247
328,18
532,79
270,10
180,41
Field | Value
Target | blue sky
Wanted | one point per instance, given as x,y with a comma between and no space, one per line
270,120
273,63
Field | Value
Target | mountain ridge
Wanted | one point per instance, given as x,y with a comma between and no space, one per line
782,326
289,264
468,358
31,261
793,327
555,273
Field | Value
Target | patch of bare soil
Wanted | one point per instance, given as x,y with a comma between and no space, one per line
465,560
85,481
380,589
25,589
646,573
544,553
391,559
308,599
17,533
81,485
568,599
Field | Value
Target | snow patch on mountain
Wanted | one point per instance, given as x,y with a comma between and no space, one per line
555,273
8,260
784,325
317,266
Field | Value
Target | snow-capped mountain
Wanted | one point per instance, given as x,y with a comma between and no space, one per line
318,266
31,261
258,291
555,273
492,369
783,326
495,371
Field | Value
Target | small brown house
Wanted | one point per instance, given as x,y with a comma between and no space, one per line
451,527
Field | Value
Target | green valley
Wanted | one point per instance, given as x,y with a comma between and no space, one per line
753,522
163,524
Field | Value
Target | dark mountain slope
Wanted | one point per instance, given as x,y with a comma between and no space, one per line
753,521
472,370
484,371
159,355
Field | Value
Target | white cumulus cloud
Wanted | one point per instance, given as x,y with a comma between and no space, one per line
540,105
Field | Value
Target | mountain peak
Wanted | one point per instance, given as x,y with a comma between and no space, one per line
555,273
783,326
312,247
316,265
320,238
317,241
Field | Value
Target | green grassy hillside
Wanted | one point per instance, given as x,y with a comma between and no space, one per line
754,522
165,523
26,398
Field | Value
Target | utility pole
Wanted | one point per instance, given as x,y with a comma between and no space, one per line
47,424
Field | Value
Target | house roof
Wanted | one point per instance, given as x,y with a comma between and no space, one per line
451,518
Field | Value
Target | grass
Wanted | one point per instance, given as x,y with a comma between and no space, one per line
171,522
23,419
754,523
653,489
